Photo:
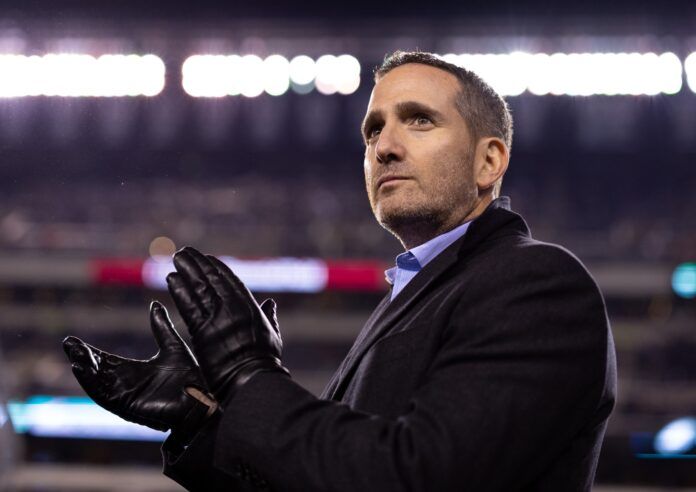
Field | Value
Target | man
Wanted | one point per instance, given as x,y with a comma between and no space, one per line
489,366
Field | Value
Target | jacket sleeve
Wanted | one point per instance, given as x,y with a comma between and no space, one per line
521,371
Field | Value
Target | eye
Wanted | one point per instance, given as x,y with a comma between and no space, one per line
422,119
373,131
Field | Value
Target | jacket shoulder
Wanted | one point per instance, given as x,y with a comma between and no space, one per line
524,255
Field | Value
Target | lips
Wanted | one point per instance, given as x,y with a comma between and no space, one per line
387,179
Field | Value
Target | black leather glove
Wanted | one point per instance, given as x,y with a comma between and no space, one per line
232,336
158,392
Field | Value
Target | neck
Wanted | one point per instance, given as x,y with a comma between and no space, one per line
421,231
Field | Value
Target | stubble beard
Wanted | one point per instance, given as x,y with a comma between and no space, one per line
418,223
414,223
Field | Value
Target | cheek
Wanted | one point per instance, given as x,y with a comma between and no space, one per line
450,173
367,168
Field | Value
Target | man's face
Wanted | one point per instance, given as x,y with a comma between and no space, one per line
419,153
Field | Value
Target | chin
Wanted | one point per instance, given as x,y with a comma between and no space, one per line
395,219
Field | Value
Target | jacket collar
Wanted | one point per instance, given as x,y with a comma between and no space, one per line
496,221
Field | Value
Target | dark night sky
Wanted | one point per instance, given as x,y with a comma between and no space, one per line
668,10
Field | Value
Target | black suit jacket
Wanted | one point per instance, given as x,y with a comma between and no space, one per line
493,370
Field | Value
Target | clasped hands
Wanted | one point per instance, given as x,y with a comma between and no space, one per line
178,389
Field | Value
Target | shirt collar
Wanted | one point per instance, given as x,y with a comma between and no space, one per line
416,258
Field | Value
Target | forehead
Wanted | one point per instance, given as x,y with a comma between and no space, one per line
415,82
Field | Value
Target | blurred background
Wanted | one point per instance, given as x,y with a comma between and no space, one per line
128,131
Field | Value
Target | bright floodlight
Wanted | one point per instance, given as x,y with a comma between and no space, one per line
276,75
75,417
676,437
451,58
261,275
78,75
505,73
251,76
684,280
690,69
576,74
302,70
326,74
210,75
348,74
337,74
220,75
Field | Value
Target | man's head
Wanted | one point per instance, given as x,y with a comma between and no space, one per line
445,133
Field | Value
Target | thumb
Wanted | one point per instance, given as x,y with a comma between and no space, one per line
163,330
269,308
80,354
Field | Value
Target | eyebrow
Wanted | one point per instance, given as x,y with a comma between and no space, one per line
402,108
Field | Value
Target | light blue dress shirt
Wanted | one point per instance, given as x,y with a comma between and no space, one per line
410,262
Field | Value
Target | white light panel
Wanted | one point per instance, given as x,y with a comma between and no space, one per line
250,76
265,275
576,74
79,75
690,69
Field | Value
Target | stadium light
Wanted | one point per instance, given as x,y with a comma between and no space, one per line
302,70
677,437
210,75
219,76
690,69
576,74
74,417
348,74
337,74
80,75
684,280
250,76
276,75
264,275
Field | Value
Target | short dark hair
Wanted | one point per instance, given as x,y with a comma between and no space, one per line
484,110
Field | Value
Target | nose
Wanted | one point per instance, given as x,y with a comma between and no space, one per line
389,146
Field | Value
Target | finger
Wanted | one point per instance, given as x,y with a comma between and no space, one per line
80,354
166,336
189,309
84,366
236,291
187,264
270,309
217,282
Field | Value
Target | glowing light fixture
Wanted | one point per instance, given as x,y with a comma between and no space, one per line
276,75
302,70
210,75
576,74
690,69
74,417
676,437
219,76
268,275
684,280
337,74
79,75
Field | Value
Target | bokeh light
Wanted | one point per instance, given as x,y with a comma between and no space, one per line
684,280
676,437
81,75
576,74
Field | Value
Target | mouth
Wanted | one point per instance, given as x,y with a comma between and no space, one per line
390,180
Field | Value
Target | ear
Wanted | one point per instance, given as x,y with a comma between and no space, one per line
492,157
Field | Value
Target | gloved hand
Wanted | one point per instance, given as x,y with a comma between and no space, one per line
165,392
232,336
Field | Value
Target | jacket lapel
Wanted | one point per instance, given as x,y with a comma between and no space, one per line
330,389
387,313
495,217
